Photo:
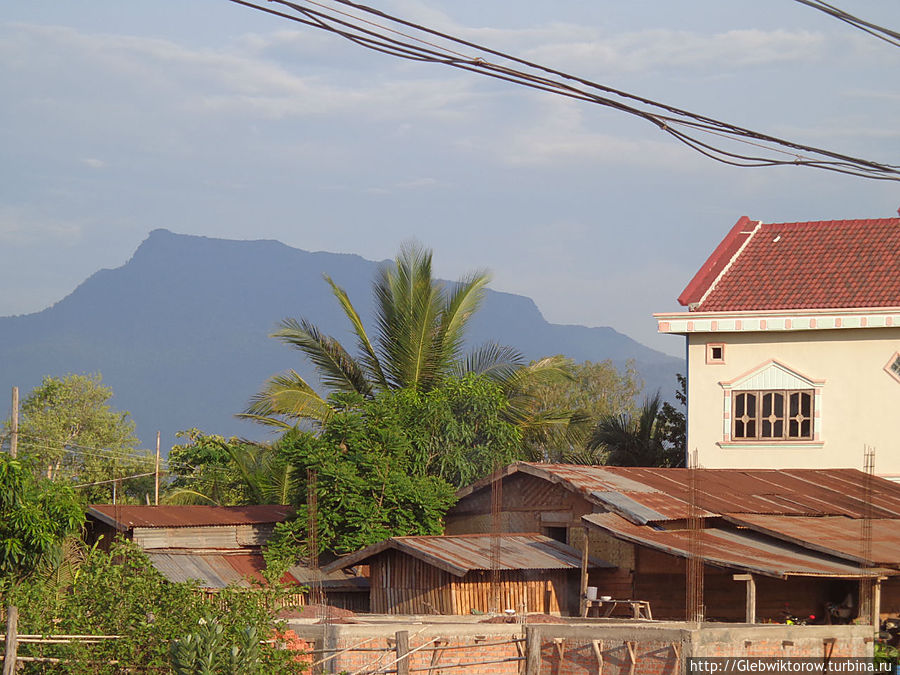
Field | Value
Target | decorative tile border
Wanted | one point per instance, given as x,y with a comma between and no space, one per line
730,322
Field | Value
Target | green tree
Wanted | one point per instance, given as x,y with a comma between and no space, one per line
212,470
119,592
389,466
69,430
674,425
420,326
36,516
630,439
592,390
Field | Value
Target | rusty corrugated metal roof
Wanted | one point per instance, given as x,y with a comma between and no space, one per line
742,551
645,495
128,516
836,535
217,569
460,554
211,570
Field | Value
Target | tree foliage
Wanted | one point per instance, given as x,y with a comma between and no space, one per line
209,469
651,436
674,424
36,516
119,592
590,391
69,429
389,466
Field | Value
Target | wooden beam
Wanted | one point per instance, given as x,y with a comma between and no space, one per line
12,625
532,650
598,654
402,647
750,608
876,603
582,603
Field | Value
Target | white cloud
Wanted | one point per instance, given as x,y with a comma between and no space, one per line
20,226
93,162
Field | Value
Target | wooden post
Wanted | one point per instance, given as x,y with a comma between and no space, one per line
156,482
9,656
876,603
532,650
582,603
750,611
402,648
14,427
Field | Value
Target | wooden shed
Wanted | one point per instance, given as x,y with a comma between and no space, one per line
452,574
215,546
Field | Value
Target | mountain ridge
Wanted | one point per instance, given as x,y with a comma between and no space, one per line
180,330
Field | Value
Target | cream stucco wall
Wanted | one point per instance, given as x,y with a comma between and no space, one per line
859,403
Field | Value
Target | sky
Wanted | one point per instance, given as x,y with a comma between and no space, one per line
214,119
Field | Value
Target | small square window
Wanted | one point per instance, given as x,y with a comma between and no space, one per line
715,353
893,366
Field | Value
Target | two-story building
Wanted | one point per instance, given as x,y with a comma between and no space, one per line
793,346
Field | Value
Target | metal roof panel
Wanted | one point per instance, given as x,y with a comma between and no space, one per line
734,550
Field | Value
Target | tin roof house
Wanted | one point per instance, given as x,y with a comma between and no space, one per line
796,535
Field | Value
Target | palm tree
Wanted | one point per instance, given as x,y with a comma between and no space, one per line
631,440
420,325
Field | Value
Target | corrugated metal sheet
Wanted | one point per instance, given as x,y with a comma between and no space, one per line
734,550
650,494
463,553
211,570
836,535
125,517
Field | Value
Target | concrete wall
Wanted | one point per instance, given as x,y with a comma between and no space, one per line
858,400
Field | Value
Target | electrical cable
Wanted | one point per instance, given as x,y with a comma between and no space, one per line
886,34
682,125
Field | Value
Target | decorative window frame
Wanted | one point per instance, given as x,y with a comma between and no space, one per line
771,375
889,366
710,359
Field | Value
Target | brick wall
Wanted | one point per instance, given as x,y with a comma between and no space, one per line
653,648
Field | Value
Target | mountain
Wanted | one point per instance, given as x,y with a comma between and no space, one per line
180,331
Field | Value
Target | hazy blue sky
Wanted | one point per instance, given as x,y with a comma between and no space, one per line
210,118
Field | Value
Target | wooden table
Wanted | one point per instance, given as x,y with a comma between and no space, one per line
640,609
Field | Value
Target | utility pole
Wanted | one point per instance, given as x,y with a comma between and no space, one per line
156,487
14,437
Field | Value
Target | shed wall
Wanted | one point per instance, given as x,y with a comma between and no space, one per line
402,584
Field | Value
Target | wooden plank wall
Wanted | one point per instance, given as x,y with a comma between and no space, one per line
525,498
402,584
529,591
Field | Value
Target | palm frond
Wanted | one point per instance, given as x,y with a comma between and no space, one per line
368,357
408,303
497,362
286,395
186,496
336,368
465,298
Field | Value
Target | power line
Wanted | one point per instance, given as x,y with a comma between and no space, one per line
686,127
890,36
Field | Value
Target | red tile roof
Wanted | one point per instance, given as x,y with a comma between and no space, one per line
125,517
815,265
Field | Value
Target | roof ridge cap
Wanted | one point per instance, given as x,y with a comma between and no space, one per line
730,263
